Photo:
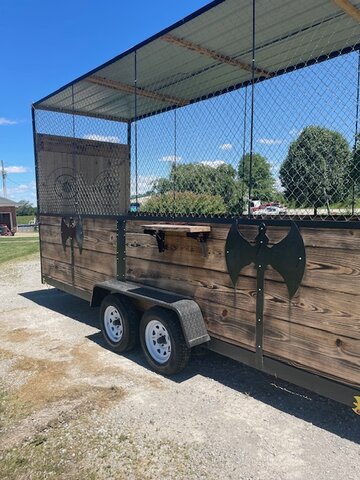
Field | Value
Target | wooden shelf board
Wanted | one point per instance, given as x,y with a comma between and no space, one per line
167,227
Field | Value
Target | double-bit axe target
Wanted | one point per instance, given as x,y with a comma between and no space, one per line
72,230
286,257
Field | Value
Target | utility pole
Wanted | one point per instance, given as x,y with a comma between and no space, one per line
3,174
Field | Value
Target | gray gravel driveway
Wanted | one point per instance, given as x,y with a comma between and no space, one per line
72,409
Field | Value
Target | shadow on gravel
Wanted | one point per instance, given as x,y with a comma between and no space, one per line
310,407
65,304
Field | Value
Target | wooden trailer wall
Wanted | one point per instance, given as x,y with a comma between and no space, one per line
96,262
80,175
318,330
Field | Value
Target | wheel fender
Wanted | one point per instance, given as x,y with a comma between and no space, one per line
187,310
192,322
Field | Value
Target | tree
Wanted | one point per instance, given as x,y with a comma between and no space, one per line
185,203
263,183
201,179
25,208
317,169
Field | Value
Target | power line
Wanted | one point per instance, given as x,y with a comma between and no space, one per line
12,181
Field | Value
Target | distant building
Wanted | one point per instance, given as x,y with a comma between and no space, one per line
8,213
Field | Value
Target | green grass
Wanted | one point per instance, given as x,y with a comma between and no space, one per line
24,219
12,248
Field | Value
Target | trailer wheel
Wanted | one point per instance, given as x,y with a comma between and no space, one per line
119,322
163,342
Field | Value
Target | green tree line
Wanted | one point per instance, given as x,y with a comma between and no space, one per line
319,170
25,208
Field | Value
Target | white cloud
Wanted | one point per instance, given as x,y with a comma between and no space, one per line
270,141
6,121
145,183
15,169
226,146
278,185
295,132
213,163
171,158
23,191
102,138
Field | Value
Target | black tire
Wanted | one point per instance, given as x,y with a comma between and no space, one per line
180,352
129,318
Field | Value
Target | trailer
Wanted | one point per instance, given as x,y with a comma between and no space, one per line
242,99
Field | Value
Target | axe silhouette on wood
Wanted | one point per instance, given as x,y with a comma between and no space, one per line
74,231
287,257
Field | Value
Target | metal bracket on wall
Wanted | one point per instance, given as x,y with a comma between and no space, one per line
160,238
201,237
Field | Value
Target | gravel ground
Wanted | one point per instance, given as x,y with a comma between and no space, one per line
72,409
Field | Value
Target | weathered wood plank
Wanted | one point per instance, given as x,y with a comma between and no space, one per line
349,9
334,312
88,223
178,228
92,260
181,250
217,56
99,235
330,311
318,351
194,282
230,324
137,226
57,270
334,269
83,278
80,146
125,87
338,238
86,279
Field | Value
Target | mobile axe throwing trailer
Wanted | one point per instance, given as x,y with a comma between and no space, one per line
279,293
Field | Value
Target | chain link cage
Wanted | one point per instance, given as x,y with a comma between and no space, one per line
279,142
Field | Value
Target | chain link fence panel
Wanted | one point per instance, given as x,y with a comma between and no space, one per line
282,144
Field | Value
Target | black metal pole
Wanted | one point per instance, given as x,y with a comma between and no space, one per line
252,105
74,153
35,158
135,129
244,149
175,158
33,119
355,167
129,156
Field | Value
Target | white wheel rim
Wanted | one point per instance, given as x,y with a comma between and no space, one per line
113,324
158,341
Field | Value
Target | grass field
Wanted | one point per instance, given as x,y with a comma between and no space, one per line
24,219
12,248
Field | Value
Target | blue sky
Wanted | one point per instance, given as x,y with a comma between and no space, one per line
45,44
